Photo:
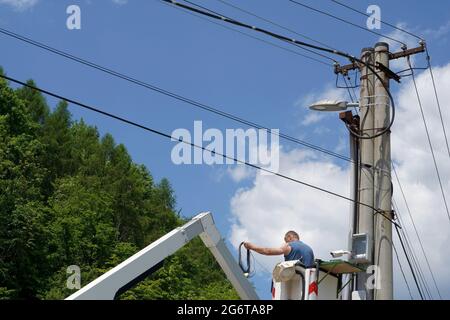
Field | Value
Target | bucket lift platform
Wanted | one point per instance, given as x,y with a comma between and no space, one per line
121,278
293,281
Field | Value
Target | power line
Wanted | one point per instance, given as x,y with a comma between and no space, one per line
414,256
256,38
168,93
429,139
238,23
173,95
275,24
410,249
348,89
220,17
295,42
135,124
416,262
191,101
409,263
192,144
408,209
383,22
218,14
262,266
401,73
437,100
417,266
250,36
403,273
346,21
428,60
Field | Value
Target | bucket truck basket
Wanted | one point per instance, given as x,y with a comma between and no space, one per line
293,281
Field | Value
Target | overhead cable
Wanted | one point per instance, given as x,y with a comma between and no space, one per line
146,128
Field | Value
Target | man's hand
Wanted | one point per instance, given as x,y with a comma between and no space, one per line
248,246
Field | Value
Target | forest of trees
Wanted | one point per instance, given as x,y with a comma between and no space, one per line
71,197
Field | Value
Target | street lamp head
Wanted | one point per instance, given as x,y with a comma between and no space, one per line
329,106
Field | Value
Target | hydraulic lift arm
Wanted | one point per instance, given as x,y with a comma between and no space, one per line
149,259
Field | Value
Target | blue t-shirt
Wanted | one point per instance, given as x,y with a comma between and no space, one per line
300,251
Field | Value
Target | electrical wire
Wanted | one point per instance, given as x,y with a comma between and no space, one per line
248,35
408,209
392,106
353,89
429,139
231,19
253,37
428,60
169,93
409,263
411,69
245,268
403,273
295,42
275,24
263,267
401,73
173,95
140,126
383,22
346,21
219,24
253,269
220,17
410,251
179,97
437,100
348,89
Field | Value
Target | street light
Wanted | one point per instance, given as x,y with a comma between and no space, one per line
350,120
332,105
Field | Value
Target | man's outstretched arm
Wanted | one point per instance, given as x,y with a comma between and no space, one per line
284,250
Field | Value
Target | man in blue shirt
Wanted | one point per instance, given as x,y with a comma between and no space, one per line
293,249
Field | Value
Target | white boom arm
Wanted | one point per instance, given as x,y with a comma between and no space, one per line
143,263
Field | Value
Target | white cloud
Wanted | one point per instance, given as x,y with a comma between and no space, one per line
440,32
20,5
240,172
411,150
313,118
271,206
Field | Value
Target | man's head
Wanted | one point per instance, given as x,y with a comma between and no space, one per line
291,236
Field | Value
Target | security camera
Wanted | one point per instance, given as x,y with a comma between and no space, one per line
339,253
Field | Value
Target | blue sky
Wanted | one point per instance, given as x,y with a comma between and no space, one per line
184,54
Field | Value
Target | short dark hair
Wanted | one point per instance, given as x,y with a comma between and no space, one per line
292,233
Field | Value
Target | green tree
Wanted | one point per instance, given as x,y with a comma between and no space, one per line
23,228
71,197
35,103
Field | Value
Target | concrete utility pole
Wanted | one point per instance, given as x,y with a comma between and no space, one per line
374,186
365,217
382,179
